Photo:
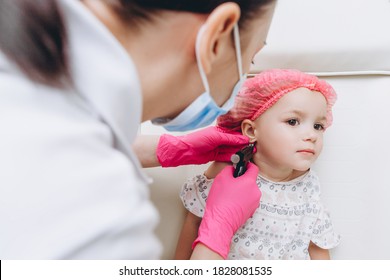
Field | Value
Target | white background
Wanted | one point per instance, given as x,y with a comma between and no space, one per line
281,270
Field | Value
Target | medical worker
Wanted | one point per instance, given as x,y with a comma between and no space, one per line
76,80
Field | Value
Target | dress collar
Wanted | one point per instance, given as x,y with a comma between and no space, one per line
291,182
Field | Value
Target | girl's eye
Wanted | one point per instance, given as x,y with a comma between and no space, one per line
293,122
319,126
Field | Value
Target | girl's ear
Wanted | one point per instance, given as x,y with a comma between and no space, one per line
248,128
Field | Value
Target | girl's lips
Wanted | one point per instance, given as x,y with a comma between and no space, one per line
307,151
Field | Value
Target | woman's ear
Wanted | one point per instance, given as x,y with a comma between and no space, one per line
248,128
217,32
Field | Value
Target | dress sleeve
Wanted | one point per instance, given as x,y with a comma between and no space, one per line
324,235
194,194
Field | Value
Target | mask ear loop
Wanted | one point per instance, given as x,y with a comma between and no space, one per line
199,62
237,45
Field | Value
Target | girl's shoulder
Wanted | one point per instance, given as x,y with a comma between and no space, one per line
196,189
215,168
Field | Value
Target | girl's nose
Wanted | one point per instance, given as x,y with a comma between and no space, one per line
310,135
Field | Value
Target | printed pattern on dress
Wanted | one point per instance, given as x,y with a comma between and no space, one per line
290,215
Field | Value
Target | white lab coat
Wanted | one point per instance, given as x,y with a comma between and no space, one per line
70,184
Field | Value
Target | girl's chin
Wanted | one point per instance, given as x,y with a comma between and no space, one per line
301,170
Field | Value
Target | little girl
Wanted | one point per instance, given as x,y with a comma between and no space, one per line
285,113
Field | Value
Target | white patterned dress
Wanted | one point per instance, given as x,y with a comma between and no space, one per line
290,215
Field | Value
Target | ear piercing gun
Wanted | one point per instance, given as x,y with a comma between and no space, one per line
241,158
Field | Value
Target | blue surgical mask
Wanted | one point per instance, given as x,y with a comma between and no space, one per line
203,110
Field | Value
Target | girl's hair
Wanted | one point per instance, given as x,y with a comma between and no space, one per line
261,92
33,35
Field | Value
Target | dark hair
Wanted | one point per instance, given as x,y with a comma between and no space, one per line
141,9
33,35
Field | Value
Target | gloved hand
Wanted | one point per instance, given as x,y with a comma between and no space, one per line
209,144
230,203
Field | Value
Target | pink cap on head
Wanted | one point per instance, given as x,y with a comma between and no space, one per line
262,91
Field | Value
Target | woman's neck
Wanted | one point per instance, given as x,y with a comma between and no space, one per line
163,51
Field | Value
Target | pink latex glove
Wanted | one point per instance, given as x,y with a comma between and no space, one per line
230,203
202,146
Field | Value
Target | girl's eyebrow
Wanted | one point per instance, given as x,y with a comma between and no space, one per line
323,118
294,112
302,114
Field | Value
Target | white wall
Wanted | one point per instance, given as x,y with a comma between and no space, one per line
354,167
346,42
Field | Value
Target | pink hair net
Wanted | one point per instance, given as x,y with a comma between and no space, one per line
262,91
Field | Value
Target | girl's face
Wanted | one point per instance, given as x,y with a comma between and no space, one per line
289,135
